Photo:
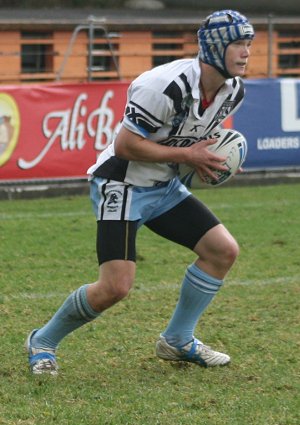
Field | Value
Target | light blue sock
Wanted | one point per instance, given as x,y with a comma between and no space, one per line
74,313
197,291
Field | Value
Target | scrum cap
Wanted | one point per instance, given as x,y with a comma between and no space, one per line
217,32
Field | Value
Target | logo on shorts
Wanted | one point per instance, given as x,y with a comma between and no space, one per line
9,126
113,200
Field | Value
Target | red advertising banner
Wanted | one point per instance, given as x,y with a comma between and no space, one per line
57,130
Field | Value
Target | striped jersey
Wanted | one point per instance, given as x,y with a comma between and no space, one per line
163,105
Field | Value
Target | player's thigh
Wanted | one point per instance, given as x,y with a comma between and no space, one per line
186,223
116,240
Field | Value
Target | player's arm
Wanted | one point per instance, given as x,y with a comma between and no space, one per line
134,147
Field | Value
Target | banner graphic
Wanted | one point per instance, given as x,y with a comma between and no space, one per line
270,120
56,131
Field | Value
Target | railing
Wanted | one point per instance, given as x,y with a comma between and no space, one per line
92,26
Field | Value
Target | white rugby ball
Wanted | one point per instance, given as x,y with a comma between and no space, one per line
230,144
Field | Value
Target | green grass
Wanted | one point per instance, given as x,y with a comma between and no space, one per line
108,370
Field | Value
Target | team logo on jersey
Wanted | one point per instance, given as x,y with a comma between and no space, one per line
224,111
9,126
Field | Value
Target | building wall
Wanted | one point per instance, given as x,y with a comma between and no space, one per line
47,55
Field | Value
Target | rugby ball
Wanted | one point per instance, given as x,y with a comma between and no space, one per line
230,144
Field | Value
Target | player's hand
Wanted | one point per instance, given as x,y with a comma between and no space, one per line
204,161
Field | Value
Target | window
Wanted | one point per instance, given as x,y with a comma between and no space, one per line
166,47
288,53
102,59
36,52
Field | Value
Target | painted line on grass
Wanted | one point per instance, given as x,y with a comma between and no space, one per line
140,287
271,281
54,214
33,216
33,296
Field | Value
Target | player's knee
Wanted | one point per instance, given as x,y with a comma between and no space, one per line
222,259
226,248
223,255
120,289
218,248
230,253
107,292
116,289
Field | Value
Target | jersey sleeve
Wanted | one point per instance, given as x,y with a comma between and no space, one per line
147,110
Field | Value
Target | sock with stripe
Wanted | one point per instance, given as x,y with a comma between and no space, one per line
73,313
197,291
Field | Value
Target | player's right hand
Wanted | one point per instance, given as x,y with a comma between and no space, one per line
205,161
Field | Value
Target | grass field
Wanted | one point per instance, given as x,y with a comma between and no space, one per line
108,370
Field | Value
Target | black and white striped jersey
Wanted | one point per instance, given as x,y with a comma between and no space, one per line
163,105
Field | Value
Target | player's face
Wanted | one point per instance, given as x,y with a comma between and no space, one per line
237,54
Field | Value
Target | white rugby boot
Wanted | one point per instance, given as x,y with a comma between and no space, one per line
193,352
41,360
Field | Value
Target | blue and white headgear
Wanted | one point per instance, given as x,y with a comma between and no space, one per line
217,32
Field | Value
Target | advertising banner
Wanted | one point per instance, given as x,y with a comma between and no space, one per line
56,131
270,120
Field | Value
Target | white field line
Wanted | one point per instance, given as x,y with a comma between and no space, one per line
145,288
271,281
259,282
34,216
54,214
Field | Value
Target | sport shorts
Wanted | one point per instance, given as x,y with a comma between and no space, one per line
168,209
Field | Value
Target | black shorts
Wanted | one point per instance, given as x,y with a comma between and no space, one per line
184,224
